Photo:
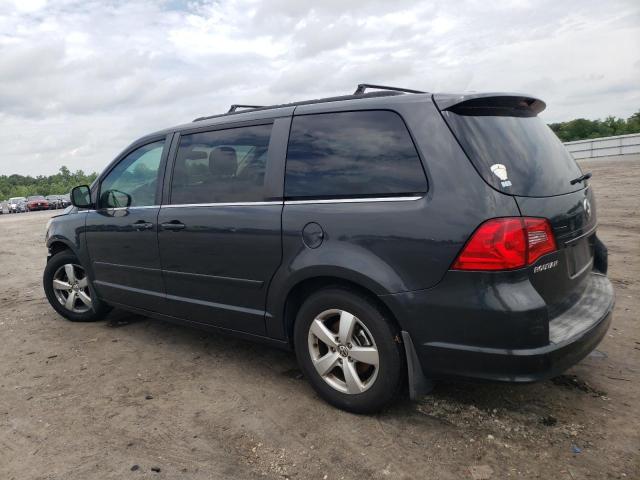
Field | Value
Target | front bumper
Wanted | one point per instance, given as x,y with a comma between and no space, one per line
571,335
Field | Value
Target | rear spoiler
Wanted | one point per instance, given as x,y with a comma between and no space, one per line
489,103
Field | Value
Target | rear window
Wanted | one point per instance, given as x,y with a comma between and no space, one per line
352,154
515,151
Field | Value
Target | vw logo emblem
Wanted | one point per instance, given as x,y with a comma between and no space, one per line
587,208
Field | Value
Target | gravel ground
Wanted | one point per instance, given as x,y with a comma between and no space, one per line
131,397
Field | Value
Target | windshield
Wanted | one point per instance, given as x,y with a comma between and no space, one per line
516,153
35,197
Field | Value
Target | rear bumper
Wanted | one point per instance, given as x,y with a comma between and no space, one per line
572,336
526,365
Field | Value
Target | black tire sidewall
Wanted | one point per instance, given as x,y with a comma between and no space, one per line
391,365
98,308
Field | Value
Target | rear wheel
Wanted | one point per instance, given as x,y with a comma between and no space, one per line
69,290
349,351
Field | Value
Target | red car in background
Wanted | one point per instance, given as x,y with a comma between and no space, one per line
37,202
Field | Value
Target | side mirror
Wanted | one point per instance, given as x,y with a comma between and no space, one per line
81,196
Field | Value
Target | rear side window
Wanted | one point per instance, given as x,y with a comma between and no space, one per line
352,154
514,150
221,166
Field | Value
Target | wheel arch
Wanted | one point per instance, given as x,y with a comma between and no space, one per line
305,287
56,245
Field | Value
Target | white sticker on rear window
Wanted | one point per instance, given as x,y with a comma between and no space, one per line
500,171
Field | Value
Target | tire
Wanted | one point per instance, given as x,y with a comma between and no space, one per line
61,282
374,386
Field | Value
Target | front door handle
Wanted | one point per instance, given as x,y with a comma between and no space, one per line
142,225
173,225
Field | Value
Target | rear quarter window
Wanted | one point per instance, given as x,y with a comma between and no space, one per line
352,154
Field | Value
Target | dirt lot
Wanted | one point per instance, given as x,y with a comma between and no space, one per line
132,397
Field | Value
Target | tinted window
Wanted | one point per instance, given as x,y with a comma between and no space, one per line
352,154
134,179
221,166
516,153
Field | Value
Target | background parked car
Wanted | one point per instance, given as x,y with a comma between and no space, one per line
37,202
21,206
13,204
65,200
54,201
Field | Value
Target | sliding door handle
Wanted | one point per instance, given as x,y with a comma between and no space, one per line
173,225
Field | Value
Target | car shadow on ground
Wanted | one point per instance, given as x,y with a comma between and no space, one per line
199,341
455,402
120,318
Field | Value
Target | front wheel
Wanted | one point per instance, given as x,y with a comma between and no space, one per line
69,291
349,351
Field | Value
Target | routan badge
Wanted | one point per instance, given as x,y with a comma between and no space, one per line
500,171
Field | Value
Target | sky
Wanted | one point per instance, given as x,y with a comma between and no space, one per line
80,80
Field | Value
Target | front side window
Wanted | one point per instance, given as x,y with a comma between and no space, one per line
221,166
352,154
134,180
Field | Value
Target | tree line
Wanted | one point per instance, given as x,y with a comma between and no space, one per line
59,184
63,181
583,129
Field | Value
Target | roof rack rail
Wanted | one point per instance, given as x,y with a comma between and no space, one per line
236,106
232,109
363,86
359,93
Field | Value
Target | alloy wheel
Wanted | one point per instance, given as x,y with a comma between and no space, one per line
71,288
343,351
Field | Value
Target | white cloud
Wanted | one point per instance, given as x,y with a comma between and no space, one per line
79,80
28,6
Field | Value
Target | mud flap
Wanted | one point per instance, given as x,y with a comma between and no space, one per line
419,385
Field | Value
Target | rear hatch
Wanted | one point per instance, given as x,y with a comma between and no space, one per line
515,152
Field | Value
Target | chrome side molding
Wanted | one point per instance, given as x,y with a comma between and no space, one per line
355,200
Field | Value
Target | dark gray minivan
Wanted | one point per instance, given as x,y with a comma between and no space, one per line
389,237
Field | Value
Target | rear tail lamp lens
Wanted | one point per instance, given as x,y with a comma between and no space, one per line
506,244
540,239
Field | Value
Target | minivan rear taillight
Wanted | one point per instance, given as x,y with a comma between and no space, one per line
506,243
